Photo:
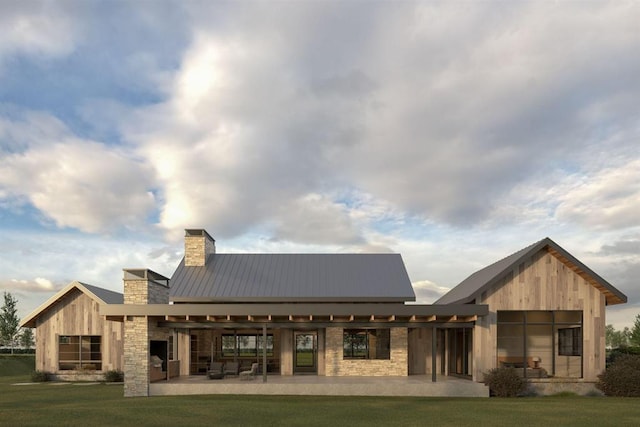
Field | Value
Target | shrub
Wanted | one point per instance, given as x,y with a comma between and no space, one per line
39,376
505,382
114,376
613,354
622,378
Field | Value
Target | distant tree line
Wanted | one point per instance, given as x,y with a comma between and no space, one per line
11,335
623,338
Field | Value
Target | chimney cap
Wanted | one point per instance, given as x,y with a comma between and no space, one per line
193,232
145,274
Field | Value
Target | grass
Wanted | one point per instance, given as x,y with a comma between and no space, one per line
102,404
16,364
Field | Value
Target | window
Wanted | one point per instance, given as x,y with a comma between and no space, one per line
541,344
79,352
246,345
570,342
367,344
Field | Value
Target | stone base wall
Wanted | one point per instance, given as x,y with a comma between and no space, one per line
336,365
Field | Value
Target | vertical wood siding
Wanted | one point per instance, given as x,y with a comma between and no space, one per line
77,314
542,282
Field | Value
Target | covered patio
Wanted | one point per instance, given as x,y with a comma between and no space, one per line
313,385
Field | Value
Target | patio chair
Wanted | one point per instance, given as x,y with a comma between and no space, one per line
250,374
216,371
231,368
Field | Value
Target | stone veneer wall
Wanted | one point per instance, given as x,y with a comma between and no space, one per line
138,332
336,365
196,250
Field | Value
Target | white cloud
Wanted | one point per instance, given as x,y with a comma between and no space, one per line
37,28
38,284
76,183
610,199
427,292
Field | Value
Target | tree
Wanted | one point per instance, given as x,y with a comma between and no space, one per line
609,335
26,338
9,321
618,339
634,334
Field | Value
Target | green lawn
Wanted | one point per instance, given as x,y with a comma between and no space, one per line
101,404
18,364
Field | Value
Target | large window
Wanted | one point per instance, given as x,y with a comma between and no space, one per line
79,352
245,345
541,343
367,344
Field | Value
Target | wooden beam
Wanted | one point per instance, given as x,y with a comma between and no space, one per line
412,318
392,318
290,318
372,318
351,317
228,317
331,318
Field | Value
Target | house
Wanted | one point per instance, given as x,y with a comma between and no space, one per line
539,310
86,342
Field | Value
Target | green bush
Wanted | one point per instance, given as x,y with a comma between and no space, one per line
505,382
114,376
614,354
622,378
39,376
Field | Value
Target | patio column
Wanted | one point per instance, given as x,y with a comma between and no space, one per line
264,353
434,350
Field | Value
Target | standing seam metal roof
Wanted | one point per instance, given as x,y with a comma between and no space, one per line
294,277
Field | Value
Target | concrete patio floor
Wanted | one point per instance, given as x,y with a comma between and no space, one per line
312,385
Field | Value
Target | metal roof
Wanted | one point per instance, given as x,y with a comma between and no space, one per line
107,296
294,278
470,288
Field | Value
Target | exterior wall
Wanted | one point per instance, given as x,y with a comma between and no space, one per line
77,314
542,282
419,355
336,365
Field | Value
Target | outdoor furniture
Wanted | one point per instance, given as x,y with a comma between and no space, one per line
231,368
216,371
250,374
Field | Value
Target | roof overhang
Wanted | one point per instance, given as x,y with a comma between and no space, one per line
228,315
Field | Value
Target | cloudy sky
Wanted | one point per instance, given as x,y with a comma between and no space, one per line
453,133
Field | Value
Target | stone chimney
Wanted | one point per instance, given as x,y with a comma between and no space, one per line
198,245
143,286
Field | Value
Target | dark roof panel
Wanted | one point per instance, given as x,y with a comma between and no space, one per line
294,277
109,297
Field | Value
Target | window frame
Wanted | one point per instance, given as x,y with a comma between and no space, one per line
84,344
353,337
